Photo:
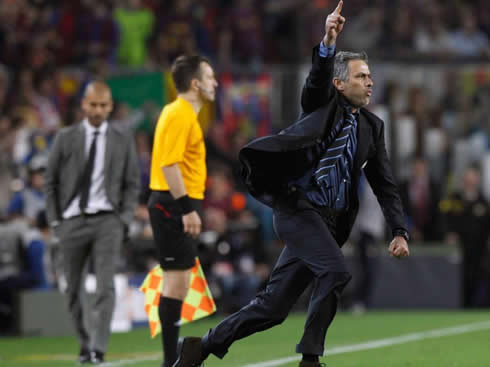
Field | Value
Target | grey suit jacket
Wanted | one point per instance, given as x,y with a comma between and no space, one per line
66,164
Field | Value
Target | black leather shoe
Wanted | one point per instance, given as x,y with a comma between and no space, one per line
84,356
96,357
189,351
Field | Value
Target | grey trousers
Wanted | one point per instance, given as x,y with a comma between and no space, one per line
99,237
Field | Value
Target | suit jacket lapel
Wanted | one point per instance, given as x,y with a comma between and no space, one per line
109,148
79,148
363,141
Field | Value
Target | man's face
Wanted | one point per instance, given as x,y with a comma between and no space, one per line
37,180
97,105
358,86
471,179
207,83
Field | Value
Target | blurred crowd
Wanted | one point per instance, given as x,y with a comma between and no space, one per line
42,41
35,34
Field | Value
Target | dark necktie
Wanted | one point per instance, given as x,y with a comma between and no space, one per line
87,173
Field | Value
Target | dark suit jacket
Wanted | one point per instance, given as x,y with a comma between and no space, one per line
66,164
272,165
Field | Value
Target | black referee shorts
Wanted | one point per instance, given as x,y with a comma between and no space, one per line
176,249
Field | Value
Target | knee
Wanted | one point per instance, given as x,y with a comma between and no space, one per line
340,280
279,316
175,290
176,284
106,292
275,311
176,293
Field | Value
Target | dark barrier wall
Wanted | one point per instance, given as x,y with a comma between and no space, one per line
429,278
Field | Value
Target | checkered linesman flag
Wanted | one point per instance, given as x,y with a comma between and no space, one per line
199,302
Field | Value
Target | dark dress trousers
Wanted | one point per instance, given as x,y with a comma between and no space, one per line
273,169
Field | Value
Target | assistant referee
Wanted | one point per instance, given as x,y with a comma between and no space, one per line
177,183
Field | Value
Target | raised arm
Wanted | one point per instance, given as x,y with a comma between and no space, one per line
318,88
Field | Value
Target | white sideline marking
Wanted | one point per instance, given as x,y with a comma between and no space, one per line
127,362
374,344
380,343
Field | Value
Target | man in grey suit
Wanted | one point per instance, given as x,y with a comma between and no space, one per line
92,185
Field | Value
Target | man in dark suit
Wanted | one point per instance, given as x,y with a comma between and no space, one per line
92,185
309,174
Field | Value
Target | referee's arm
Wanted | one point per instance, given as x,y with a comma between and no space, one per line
190,218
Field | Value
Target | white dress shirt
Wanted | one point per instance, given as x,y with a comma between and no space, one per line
97,200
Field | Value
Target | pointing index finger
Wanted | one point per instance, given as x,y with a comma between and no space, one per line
338,9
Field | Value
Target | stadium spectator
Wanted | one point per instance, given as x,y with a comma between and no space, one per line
28,202
97,34
418,110
431,35
281,24
243,33
36,242
397,37
468,40
44,101
7,139
135,24
365,30
182,31
22,266
466,217
239,265
219,191
420,196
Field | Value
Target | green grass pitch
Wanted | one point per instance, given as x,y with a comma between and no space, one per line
468,347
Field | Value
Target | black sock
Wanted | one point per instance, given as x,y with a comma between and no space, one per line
310,357
169,312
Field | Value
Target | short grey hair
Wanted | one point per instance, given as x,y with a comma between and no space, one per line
341,65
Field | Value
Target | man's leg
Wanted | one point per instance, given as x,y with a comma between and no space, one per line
321,311
108,231
175,288
309,238
288,280
75,240
176,253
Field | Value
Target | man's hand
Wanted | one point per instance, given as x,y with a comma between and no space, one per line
192,224
399,247
333,25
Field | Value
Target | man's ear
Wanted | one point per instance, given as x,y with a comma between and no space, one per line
195,84
339,84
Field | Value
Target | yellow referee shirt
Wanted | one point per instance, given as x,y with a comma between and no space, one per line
179,139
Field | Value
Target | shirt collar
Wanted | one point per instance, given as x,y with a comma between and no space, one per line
90,129
187,106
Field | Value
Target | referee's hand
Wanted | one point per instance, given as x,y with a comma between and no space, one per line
192,224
